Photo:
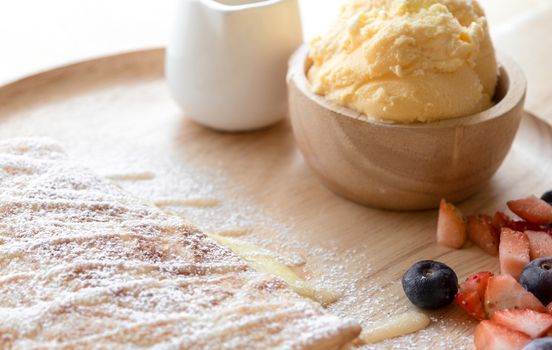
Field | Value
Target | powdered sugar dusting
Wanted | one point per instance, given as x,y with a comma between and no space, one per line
84,265
363,296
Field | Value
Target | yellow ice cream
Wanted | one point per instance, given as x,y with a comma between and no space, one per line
406,61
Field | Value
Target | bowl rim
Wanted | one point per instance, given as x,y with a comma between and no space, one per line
507,69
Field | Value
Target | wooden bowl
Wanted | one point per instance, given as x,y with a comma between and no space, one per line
403,166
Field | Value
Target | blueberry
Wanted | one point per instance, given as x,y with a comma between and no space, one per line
540,344
547,197
430,284
537,278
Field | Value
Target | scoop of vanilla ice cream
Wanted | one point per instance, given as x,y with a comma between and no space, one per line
406,61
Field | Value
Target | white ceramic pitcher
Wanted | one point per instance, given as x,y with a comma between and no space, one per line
226,61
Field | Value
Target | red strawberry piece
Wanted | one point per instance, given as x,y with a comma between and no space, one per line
540,244
513,252
491,336
534,324
521,225
504,292
451,228
532,209
478,282
549,307
471,294
501,220
471,302
483,234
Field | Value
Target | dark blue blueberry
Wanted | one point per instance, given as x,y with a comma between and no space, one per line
540,344
430,284
537,278
547,197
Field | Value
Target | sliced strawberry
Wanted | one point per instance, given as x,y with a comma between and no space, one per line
483,234
521,225
451,228
501,220
491,336
549,307
478,282
471,294
504,292
534,324
513,252
532,209
540,244
471,302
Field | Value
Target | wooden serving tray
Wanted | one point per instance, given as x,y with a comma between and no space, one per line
115,115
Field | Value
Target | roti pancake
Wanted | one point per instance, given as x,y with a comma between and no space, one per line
84,265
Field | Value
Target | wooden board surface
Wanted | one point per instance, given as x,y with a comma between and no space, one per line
116,116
